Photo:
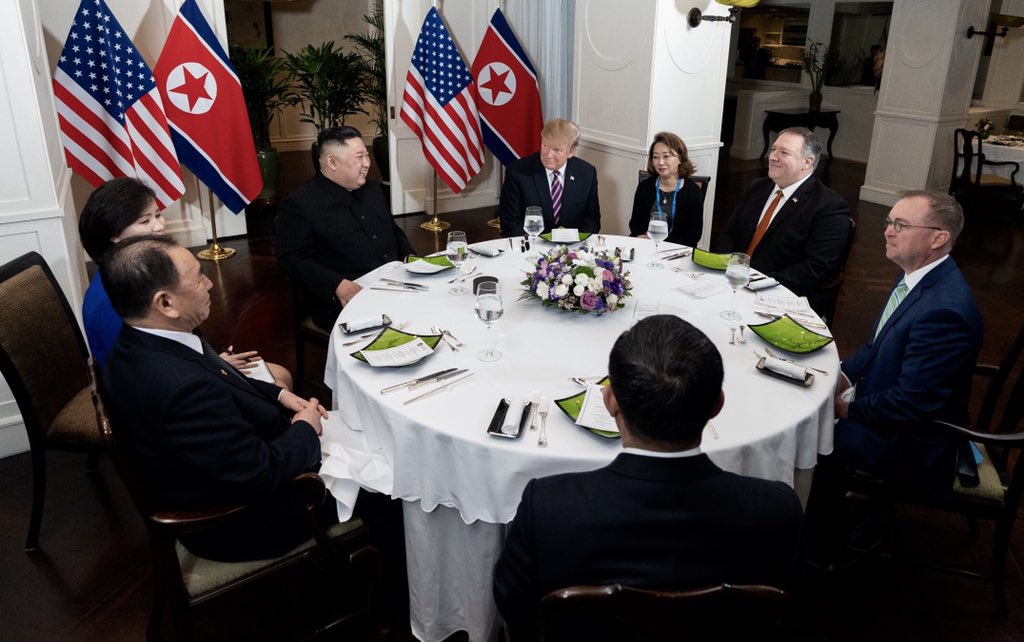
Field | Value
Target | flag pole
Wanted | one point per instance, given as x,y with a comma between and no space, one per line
496,222
435,224
215,252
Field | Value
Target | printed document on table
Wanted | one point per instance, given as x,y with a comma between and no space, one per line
399,355
593,414
788,303
699,288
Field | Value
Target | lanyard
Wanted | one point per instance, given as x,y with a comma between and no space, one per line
657,200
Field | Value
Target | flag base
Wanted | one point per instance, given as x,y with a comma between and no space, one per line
435,224
216,252
495,223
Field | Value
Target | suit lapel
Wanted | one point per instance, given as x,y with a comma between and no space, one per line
912,297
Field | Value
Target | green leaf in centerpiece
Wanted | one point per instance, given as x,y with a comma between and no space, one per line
710,260
789,335
572,406
391,338
547,237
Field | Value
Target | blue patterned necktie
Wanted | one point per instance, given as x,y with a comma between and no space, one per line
556,196
897,296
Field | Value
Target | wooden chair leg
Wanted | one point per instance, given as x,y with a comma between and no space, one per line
38,498
1000,548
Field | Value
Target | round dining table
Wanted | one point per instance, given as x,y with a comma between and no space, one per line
461,485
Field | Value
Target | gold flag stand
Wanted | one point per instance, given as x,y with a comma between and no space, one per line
435,224
215,252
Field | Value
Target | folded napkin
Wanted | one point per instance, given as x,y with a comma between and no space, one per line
513,416
762,284
355,325
486,250
791,370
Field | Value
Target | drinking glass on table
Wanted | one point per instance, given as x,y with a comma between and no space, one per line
737,273
489,309
657,231
533,224
456,253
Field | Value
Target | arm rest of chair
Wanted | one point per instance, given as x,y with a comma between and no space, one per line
1003,440
985,370
196,519
1014,164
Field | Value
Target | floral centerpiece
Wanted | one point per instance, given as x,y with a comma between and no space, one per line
984,127
578,279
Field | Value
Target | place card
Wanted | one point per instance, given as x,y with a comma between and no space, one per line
565,235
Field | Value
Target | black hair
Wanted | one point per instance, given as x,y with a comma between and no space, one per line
111,208
136,269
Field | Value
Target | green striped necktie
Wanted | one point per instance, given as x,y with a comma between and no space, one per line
898,294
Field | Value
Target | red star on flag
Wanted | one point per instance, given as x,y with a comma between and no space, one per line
497,84
194,88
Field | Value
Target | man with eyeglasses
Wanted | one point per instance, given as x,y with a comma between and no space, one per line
337,226
563,186
916,368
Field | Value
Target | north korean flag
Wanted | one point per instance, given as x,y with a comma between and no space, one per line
206,110
509,105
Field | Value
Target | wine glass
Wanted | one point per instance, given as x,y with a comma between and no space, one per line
657,231
489,309
533,224
737,273
456,253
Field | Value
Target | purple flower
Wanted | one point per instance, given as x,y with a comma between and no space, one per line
589,300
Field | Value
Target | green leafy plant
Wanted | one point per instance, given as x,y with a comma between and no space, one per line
825,65
265,86
330,83
371,48
815,55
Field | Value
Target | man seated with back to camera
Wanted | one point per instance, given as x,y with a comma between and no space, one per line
200,432
337,227
662,514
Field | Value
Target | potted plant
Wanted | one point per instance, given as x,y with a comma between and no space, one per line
371,47
330,83
814,57
266,88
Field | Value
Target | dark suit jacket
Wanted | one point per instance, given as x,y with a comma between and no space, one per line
919,368
202,434
647,522
526,184
804,243
326,233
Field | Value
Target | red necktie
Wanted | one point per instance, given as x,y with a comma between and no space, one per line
763,225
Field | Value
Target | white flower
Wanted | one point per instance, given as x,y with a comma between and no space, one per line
611,300
567,279
594,286
579,290
561,290
582,279
542,290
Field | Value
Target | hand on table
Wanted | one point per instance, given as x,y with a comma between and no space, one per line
346,290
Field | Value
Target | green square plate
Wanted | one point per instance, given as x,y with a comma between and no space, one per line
427,264
390,338
789,335
547,237
572,406
710,260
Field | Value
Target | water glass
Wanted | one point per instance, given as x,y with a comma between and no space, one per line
737,273
657,231
489,309
456,252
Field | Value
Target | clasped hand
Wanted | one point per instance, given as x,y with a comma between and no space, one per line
309,410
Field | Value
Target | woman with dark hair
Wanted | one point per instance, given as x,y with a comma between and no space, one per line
119,209
668,190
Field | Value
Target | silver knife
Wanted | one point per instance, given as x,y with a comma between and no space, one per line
429,377
441,388
404,284
440,377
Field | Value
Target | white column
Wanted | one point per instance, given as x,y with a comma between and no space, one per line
926,93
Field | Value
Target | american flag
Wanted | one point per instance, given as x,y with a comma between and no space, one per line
439,105
112,122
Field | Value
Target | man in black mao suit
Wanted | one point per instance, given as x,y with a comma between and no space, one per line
528,182
199,431
336,227
662,514
806,234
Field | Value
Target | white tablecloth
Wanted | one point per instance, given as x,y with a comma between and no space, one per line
996,152
436,452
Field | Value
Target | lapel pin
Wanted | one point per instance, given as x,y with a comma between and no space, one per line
223,372
571,177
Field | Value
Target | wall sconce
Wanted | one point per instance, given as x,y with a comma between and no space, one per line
696,16
995,20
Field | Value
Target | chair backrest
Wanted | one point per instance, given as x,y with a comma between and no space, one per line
43,355
622,613
994,392
1015,124
701,181
967,160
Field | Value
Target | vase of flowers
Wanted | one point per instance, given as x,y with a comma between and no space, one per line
580,279
984,128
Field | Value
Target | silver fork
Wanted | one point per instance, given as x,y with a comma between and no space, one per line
782,358
543,412
535,402
444,335
451,336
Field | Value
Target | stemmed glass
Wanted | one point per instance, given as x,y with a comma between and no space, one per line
657,231
489,310
737,273
456,253
533,224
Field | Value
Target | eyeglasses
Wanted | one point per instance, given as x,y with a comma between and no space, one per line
899,225
663,157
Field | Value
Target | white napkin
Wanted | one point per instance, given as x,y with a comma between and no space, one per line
791,370
513,416
762,284
355,325
486,250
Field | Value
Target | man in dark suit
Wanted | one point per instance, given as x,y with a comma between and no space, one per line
200,432
792,226
336,227
919,365
661,515
563,186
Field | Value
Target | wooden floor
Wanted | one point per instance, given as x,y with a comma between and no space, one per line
91,578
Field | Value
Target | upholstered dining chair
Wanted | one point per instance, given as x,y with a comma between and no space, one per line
43,357
974,184
616,612
327,585
306,332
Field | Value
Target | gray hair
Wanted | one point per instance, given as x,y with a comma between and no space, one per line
943,211
812,148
